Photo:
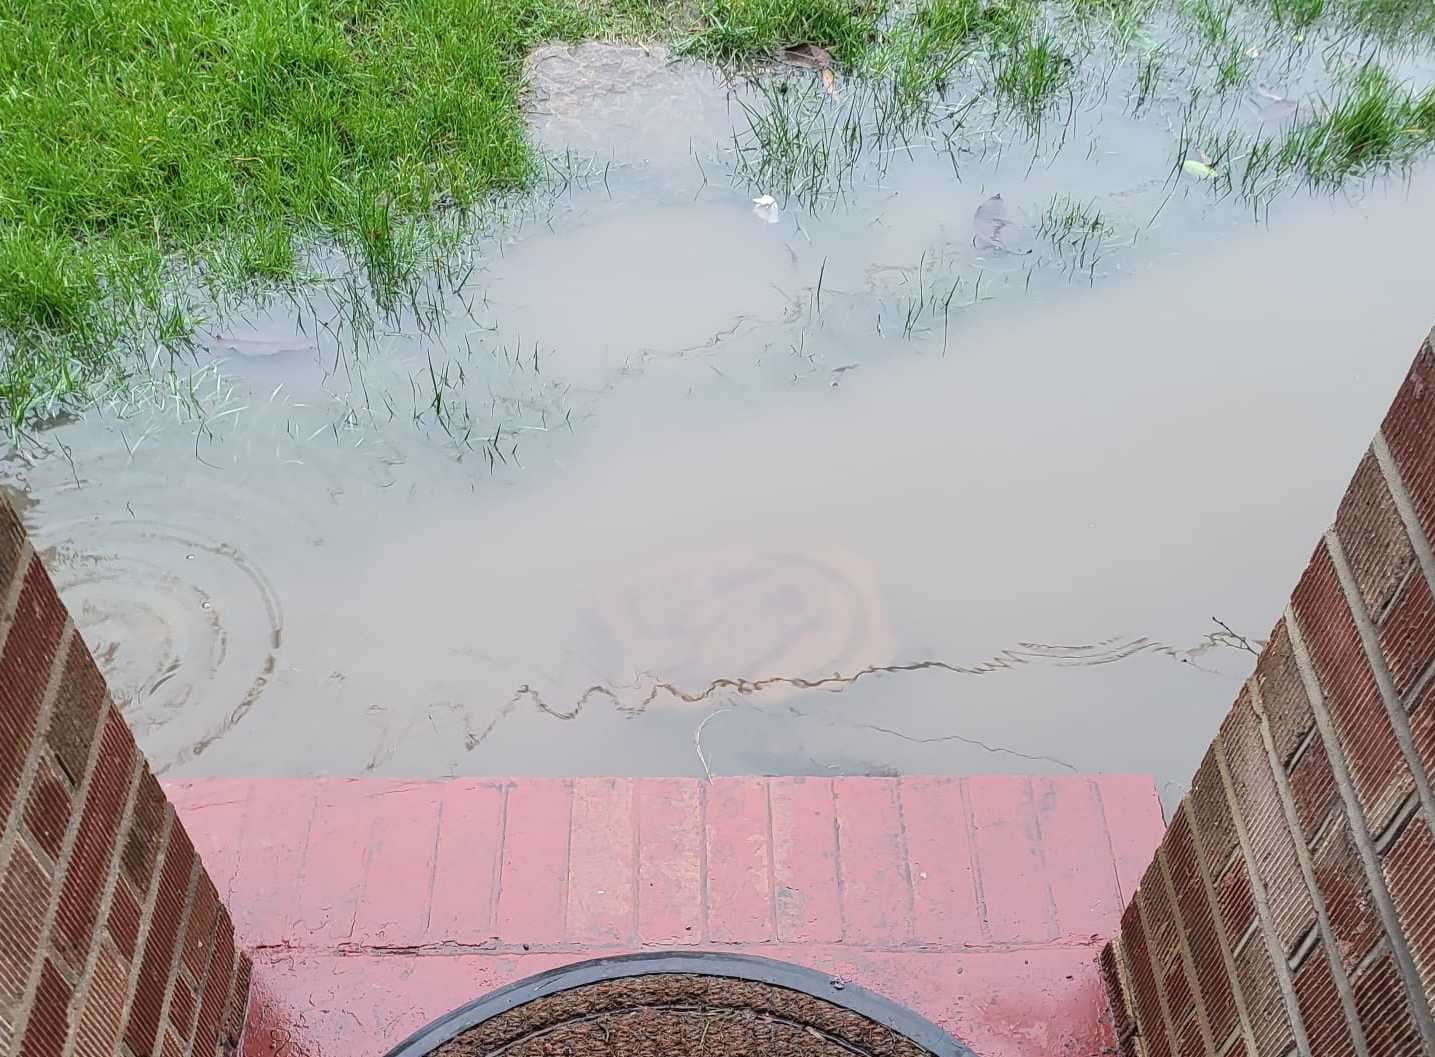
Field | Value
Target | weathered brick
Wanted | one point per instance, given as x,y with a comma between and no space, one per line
199,933
181,1006
12,545
1409,867
79,700
1412,441
1123,1021
47,814
28,654
49,1024
1407,638
1283,696
124,921
1352,696
1238,906
1200,926
1340,877
146,831
142,1030
1272,849
1373,538
24,893
1211,813
1314,790
94,846
237,1006
99,1027
1381,1004
1422,729
1320,1009
216,991
1163,937
1189,1042
1269,1023
83,761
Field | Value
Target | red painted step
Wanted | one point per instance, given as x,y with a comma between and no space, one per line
377,905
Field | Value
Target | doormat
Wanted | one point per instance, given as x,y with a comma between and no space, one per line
682,1005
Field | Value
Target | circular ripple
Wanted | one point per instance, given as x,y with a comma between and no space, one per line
185,626
750,616
682,1005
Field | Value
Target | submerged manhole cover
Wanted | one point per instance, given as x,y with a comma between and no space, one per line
682,1005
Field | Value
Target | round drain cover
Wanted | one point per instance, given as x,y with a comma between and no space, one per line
681,1005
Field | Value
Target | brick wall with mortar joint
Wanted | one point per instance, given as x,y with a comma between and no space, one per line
1291,906
113,939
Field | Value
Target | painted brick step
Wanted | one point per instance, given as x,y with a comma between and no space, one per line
376,905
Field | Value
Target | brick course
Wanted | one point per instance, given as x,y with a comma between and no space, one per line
95,960
1332,856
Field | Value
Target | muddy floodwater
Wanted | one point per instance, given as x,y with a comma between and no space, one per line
672,484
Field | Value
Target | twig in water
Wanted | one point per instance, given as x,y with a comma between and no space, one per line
1233,639
698,738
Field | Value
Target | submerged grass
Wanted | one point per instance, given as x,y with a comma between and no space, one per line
1077,231
163,153
1377,125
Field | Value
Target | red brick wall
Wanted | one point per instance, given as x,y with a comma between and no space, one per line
1291,906
113,940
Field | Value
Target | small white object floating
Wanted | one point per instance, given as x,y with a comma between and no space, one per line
767,209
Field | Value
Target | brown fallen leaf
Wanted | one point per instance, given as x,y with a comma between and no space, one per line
808,56
829,84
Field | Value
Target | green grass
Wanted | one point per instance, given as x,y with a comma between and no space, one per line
738,31
159,155
1076,230
1031,72
215,140
1376,126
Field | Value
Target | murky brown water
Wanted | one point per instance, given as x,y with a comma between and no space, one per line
728,522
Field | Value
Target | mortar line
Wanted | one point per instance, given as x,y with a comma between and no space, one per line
1402,818
433,861
1110,842
1158,977
494,901
175,970
1307,870
838,877
107,898
1188,965
635,891
1218,917
1265,920
704,895
1405,507
148,909
771,859
1360,831
975,855
10,600
1370,641
1029,786
24,1006
567,785
911,896
39,743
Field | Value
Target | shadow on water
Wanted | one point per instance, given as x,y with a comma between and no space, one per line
666,484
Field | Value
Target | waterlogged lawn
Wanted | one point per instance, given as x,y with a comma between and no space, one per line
150,149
